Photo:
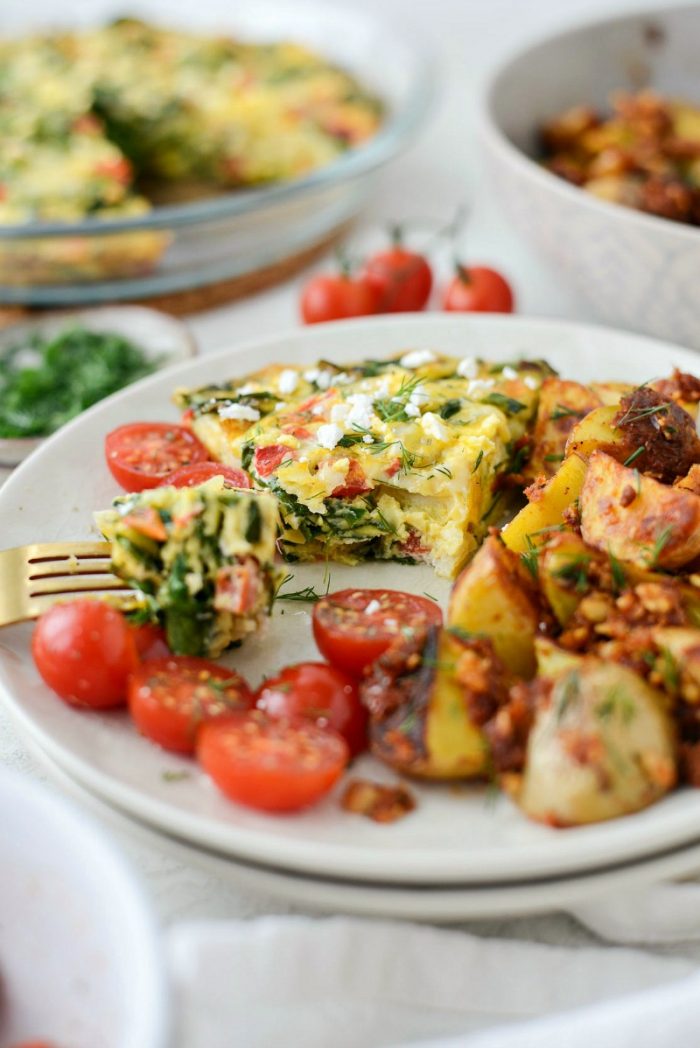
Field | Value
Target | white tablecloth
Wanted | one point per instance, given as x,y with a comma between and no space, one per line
440,171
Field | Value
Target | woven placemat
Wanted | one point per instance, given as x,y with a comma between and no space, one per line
197,300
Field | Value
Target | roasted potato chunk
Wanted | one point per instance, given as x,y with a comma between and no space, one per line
562,404
495,597
596,432
545,510
636,518
426,699
602,745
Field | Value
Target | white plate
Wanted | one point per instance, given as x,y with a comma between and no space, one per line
80,960
453,838
412,902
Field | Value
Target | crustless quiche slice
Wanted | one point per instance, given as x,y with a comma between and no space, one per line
399,459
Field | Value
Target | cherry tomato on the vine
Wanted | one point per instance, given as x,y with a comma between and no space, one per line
403,279
478,289
337,297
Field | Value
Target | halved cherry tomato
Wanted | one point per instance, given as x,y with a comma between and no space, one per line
143,454
85,651
271,764
354,484
478,289
353,627
151,642
403,279
337,298
320,693
266,460
198,472
170,698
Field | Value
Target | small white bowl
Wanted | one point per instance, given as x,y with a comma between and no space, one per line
635,270
160,336
80,955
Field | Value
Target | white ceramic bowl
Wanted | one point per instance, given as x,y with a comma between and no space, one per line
80,957
635,270
160,336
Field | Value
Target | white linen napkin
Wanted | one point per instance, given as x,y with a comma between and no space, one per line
351,983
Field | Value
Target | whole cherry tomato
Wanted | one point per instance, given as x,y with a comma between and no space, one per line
478,289
402,278
85,651
337,297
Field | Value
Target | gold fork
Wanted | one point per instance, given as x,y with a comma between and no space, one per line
32,578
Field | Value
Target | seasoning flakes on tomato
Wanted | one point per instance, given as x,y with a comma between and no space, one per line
142,455
314,691
170,698
271,764
353,627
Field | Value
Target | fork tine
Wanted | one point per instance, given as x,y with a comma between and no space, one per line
75,584
57,569
47,551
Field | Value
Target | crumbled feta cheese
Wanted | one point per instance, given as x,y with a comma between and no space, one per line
329,435
417,358
318,409
412,410
339,412
531,382
373,607
468,367
342,378
434,427
279,405
360,413
368,439
325,379
249,387
419,397
478,387
288,382
509,372
311,375
239,411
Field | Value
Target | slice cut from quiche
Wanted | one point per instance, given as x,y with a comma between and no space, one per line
202,558
400,459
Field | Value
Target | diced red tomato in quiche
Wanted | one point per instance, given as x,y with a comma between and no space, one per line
266,460
355,482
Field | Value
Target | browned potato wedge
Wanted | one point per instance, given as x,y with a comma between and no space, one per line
679,666
636,518
563,574
562,404
611,392
420,719
544,513
552,660
602,746
691,481
595,431
494,596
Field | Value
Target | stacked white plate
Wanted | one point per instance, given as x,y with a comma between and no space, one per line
459,855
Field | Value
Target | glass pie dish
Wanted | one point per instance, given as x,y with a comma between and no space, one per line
184,245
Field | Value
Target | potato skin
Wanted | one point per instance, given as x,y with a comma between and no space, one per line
420,711
602,745
494,596
562,404
636,518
